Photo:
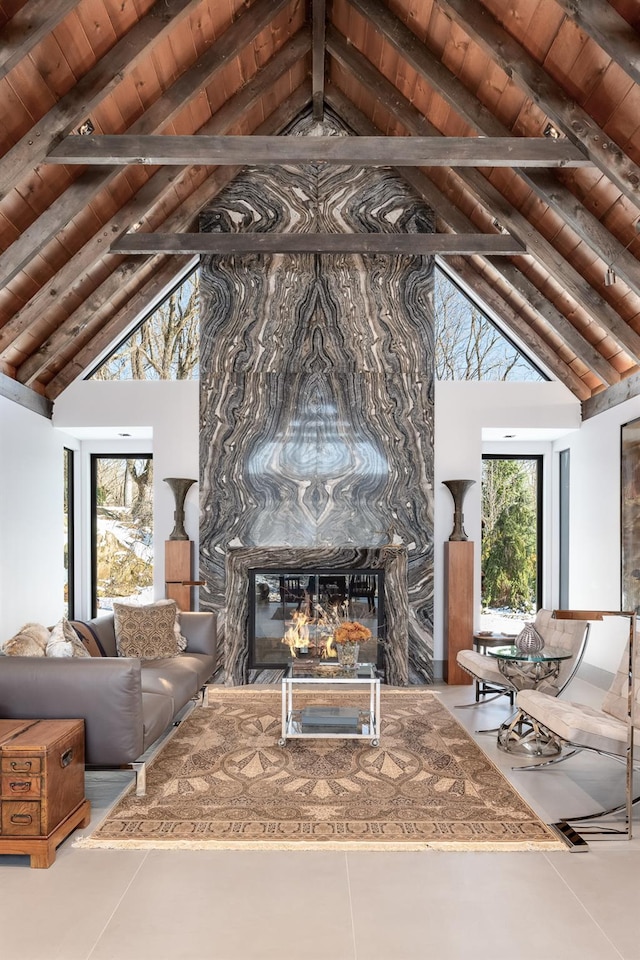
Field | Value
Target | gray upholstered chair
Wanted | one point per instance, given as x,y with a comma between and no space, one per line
558,631
608,731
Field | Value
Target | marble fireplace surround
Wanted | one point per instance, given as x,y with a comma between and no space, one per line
391,559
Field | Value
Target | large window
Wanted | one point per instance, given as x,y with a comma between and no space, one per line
468,345
122,529
67,525
165,344
511,539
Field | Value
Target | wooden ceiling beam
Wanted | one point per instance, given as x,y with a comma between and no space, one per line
486,294
126,149
318,28
79,103
67,281
612,33
73,201
567,115
484,192
28,27
627,389
458,221
93,316
548,188
162,272
230,244
33,401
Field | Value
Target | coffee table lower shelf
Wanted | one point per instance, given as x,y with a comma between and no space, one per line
320,722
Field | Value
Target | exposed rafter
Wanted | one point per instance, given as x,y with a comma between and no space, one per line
466,80
368,151
266,243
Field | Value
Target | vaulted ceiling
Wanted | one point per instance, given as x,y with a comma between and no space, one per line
561,71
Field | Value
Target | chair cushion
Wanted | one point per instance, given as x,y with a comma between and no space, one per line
482,667
575,723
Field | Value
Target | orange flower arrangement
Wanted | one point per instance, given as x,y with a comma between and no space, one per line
351,632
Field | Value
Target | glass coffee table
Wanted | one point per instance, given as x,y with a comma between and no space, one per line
347,721
526,671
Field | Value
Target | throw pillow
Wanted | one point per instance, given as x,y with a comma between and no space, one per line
146,632
89,638
30,641
180,640
65,642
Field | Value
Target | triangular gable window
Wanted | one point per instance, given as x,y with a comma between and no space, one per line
469,346
165,344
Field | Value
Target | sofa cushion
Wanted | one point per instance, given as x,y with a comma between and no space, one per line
174,677
146,632
158,711
65,642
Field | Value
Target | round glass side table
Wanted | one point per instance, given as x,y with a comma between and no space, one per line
526,671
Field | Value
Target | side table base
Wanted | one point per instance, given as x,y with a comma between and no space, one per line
525,736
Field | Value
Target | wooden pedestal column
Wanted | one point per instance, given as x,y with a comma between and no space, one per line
458,606
177,572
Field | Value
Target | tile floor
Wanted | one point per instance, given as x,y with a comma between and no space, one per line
201,905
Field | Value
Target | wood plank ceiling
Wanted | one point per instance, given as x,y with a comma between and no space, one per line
558,69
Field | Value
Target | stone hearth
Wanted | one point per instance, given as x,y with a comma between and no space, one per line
392,560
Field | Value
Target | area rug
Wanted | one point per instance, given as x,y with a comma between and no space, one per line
223,781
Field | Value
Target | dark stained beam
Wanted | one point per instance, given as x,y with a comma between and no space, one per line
318,28
618,393
296,243
369,151
33,401
189,85
465,271
567,115
28,27
66,284
603,23
79,103
86,333
548,188
484,192
453,219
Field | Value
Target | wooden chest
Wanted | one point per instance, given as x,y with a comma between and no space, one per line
41,786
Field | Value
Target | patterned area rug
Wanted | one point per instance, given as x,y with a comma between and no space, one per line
223,781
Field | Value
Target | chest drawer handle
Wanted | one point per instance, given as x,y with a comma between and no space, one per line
66,757
21,818
21,766
20,786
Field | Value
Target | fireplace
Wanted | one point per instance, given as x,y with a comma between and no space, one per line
333,570
292,612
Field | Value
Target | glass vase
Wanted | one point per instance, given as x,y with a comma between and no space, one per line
348,654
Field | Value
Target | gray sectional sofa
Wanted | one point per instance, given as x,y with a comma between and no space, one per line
126,703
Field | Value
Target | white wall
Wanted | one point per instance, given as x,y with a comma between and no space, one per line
31,476
462,410
31,519
594,524
166,413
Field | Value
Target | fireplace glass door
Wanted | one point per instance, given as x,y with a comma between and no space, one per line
295,612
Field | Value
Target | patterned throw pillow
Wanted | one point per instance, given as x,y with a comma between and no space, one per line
146,632
180,640
65,642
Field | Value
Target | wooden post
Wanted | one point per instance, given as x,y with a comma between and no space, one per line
177,572
458,606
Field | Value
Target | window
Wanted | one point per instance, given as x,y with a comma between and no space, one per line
511,538
121,529
165,345
468,345
563,532
67,526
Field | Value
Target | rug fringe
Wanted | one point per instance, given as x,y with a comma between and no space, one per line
307,846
